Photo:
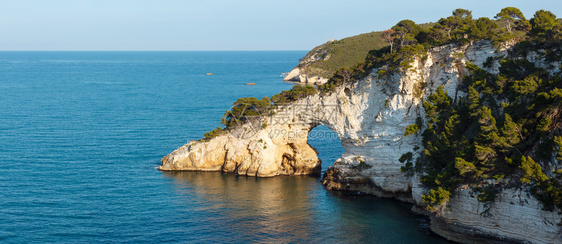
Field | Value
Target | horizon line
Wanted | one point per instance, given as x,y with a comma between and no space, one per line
219,50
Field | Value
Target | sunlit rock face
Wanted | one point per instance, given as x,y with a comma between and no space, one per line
253,153
370,116
299,74
296,75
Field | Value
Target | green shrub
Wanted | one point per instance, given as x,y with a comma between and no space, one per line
212,134
245,109
411,129
436,198
361,166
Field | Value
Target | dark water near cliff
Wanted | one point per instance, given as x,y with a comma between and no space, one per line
81,134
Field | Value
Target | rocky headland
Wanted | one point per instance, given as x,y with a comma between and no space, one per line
369,116
299,74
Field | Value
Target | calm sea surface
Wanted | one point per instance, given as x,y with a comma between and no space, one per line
81,135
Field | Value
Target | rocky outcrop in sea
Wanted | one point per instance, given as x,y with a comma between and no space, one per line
370,116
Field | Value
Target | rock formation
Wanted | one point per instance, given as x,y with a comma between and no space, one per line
296,75
370,117
299,74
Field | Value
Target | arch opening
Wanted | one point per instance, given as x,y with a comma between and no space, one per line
327,144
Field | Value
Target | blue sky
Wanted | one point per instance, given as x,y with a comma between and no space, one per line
218,24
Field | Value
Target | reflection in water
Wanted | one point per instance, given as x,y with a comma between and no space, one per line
270,207
291,209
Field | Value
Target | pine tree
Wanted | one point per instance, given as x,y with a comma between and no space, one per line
483,28
474,103
464,167
436,104
531,171
405,32
513,19
511,132
488,131
544,25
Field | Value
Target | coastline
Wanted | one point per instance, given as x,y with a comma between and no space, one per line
351,110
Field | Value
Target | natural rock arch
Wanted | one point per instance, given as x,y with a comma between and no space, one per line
369,117
327,144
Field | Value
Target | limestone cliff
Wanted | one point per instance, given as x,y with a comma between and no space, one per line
299,75
303,72
250,150
369,117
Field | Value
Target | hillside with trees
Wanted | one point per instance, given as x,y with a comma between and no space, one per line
506,132
325,59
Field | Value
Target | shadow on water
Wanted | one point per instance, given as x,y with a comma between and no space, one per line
291,209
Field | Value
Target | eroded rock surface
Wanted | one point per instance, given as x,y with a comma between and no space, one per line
370,116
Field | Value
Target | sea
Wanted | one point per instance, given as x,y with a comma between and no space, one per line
82,135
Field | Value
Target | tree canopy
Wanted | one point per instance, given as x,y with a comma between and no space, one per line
508,126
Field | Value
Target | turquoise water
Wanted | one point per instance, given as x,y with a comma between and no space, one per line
82,134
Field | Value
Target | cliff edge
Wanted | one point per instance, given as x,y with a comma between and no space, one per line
369,117
318,65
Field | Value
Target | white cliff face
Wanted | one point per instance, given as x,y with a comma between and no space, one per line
251,151
387,105
370,117
515,215
296,75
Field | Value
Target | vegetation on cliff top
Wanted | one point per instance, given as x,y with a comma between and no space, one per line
505,130
342,53
409,40
250,108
